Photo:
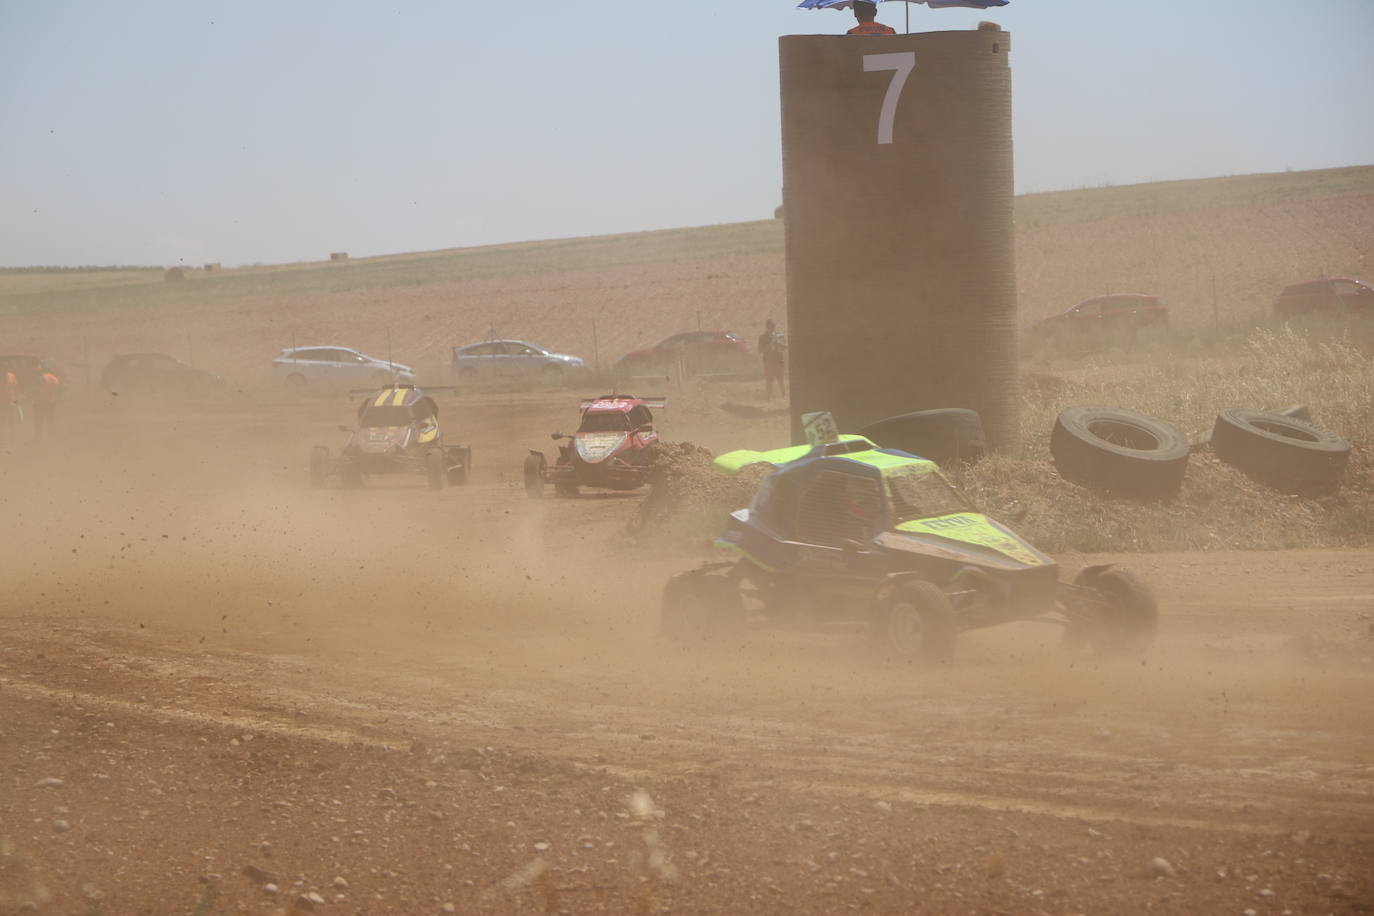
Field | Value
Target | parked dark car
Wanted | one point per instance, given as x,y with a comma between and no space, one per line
157,373
1115,313
699,351
1333,295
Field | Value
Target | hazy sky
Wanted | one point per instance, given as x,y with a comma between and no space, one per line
150,132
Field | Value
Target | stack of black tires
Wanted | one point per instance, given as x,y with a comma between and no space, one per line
1127,453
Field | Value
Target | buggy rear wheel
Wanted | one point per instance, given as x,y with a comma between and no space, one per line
319,464
700,608
914,622
565,489
534,476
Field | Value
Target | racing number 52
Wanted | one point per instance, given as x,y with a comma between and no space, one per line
901,64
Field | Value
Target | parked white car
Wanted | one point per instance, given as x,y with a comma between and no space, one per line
336,367
504,358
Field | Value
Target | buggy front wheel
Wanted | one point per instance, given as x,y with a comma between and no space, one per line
534,476
459,465
319,463
1126,618
351,475
434,469
700,608
913,622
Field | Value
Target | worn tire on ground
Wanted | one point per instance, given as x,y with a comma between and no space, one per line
946,435
914,621
1120,451
1281,451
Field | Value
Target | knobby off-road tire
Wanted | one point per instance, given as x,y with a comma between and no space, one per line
319,463
946,436
700,608
351,475
534,476
1127,619
1120,451
460,460
564,489
1281,451
913,622
434,469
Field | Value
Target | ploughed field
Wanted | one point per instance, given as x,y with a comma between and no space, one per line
224,691
1217,251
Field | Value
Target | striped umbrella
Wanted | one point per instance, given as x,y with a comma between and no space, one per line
933,4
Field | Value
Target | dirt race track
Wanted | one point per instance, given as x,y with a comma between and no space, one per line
222,691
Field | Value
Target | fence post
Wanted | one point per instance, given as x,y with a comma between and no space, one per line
1216,315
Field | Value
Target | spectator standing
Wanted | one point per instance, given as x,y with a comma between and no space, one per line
772,350
47,389
9,406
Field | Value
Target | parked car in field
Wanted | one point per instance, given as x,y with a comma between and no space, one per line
1114,313
700,351
1333,295
157,373
511,358
337,367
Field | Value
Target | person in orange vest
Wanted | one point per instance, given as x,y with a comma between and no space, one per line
867,12
46,390
9,405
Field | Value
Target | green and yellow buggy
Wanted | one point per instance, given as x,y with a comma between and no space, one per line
845,532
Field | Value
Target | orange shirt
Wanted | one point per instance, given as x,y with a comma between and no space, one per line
872,28
47,392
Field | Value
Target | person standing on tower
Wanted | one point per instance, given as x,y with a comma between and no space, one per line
866,13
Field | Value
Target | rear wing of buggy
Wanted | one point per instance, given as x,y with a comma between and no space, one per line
378,389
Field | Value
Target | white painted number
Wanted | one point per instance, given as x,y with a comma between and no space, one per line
901,64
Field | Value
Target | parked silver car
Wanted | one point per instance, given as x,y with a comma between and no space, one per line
336,367
504,358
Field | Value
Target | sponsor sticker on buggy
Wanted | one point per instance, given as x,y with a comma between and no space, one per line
971,528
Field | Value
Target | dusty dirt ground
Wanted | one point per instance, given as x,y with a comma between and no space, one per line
222,691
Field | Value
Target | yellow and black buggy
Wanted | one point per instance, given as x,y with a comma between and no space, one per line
398,432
